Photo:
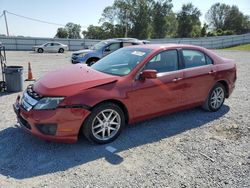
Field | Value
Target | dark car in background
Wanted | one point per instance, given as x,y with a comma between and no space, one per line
103,48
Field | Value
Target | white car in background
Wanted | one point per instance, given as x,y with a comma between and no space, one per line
51,47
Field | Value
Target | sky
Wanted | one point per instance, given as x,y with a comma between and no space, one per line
83,12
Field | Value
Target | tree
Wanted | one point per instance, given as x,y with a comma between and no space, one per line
132,15
171,24
73,30
70,30
188,21
118,15
61,33
204,30
105,31
216,15
141,18
159,22
93,32
228,19
234,21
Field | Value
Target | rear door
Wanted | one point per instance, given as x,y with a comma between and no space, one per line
198,76
56,47
152,96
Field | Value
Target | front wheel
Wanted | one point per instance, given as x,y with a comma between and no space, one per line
215,98
91,62
104,124
40,50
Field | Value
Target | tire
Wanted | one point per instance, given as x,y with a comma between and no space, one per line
40,50
97,128
215,98
91,61
61,50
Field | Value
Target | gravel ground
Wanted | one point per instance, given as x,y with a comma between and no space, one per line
191,148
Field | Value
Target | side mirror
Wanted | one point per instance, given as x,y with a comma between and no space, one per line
148,74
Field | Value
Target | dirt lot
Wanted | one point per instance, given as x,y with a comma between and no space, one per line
191,148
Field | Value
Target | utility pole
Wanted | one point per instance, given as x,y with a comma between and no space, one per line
6,23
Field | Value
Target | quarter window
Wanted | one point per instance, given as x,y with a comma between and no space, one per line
193,58
209,60
164,62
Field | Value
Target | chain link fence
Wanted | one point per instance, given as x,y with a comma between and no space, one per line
26,43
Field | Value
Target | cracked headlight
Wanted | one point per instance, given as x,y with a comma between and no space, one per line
48,103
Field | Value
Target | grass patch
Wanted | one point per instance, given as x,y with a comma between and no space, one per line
245,47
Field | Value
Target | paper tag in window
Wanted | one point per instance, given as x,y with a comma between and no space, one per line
138,53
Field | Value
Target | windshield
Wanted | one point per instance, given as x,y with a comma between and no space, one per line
99,45
122,61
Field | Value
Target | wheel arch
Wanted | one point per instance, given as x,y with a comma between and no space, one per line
40,48
114,101
61,48
92,58
225,84
118,103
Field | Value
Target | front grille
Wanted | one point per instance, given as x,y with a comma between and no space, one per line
32,93
24,123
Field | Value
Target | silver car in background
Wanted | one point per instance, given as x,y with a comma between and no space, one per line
51,47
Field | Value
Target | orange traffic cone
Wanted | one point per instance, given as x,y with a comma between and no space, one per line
30,76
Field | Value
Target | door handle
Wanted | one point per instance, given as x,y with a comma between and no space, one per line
176,79
212,72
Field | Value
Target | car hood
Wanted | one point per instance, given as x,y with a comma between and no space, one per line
82,51
71,80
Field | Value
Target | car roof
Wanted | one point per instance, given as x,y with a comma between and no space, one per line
123,40
166,46
158,47
53,42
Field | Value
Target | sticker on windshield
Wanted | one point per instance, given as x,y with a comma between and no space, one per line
138,53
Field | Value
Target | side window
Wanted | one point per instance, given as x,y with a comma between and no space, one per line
193,58
166,61
127,44
114,46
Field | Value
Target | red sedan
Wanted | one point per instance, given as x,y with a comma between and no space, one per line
129,85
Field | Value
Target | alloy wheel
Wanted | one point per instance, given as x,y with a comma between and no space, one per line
106,124
217,98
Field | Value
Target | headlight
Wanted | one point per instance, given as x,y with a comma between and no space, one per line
81,55
48,103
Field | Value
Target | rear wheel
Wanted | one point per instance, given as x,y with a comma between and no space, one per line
215,98
104,124
40,50
61,50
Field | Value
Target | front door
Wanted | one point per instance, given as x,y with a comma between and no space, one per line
49,47
153,96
